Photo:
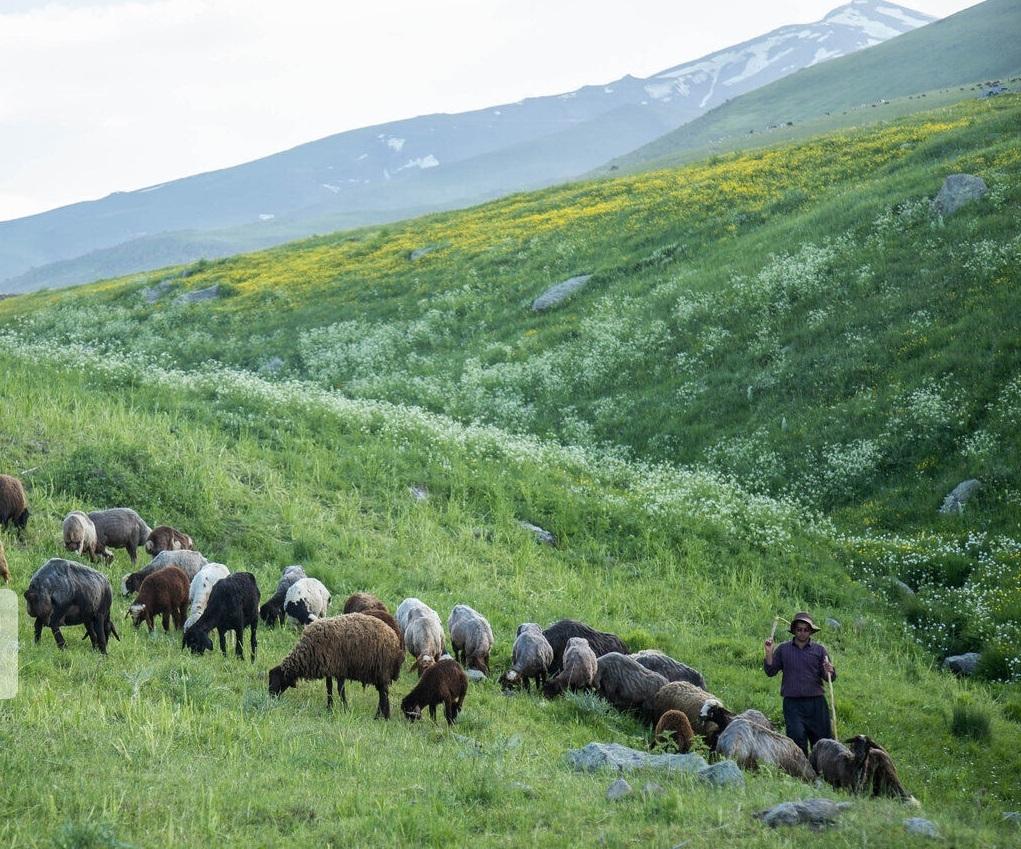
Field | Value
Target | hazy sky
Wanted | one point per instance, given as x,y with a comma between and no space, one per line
107,95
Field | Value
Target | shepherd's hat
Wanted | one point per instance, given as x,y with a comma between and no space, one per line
803,617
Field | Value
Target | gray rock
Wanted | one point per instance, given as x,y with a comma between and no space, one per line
954,503
923,827
596,756
418,253
722,774
962,664
521,787
475,675
561,292
833,624
208,294
618,790
540,535
651,788
815,813
958,190
1012,816
419,493
901,588
272,365
151,294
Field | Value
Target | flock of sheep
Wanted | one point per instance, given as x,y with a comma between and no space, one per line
367,644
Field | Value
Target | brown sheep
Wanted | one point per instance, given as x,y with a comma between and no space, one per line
689,700
5,573
163,593
878,775
166,538
384,616
364,602
13,504
750,744
444,681
673,729
352,645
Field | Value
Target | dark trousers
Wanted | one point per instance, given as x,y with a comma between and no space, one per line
807,720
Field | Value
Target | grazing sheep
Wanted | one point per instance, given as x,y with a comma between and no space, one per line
233,606
423,636
673,729
409,605
530,658
189,562
272,611
362,602
880,773
306,600
80,536
471,637
13,504
5,573
387,618
350,646
166,538
859,766
627,685
716,717
750,744
62,592
672,670
120,527
689,700
578,670
163,593
600,642
200,588
444,681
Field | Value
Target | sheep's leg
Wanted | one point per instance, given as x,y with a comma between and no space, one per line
342,691
56,617
166,623
432,712
133,553
329,693
239,642
450,710
253,640
38,629
384,702
223,641
90,632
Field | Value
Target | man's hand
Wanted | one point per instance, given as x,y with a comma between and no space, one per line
769,650
827,667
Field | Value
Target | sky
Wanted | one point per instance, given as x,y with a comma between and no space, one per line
98,96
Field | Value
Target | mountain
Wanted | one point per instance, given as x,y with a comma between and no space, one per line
408,167
979,43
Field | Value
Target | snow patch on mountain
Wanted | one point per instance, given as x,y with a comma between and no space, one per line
422,162
902,15
851,17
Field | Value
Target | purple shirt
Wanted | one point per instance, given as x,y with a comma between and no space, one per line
802,669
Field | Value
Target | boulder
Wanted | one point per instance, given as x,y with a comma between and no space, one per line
475,675
618,790
151,294
597,756
722,774
418,253
540,535
954,503
816,813
208,294
561,292
958,190
920,826
962,664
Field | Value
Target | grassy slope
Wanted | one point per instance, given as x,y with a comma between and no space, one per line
153,747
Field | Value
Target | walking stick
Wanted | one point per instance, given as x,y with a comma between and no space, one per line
833,703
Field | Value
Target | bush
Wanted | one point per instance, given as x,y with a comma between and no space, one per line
971,721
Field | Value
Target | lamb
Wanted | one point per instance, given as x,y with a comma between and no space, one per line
362,602
860,766
530,658
352,645
423,636
750,744
80,536
689,700
120,527
673,729
62,592
272,611
166,538
471,636
233,606
445,681
190,562
627,685
13,504
163,593
560,632
306,600
200,588
672,670
5,572
578,672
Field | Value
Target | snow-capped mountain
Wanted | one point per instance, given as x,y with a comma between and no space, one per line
417,165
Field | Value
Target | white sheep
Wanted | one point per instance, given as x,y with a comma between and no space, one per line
423,637
306,600
201,586
471,637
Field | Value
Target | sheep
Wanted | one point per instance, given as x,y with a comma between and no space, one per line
560,632
166,538
63,592
627,685
673,729
387,618
689,700
352,645
5,573
423,636
748,743
233,606
200,588
445,681
530,658
672,670
859,766
306,600
716,717
272,611
189,562
163,593
471,637
405,608
578,672
120,527
880,773
13,504
362,602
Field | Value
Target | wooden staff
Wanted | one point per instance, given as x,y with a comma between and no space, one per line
833,702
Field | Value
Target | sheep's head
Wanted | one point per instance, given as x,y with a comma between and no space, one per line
196,641
510,679
553,688
270,612
38,604
479,662
137,614
278,681
411,711
422,663
713,711
150,545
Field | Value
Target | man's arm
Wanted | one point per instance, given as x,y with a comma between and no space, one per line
773,661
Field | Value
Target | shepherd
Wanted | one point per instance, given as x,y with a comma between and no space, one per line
806,666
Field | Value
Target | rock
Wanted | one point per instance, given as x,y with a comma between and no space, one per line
816,813
151,294
475,675
833,624
958,190
954,503
419,493
207,294
523,788
618,790
1012,816
540,535
418,253
962,664
901,589
722,774
614,756
561,292
924,827
993,90
651,788
272,365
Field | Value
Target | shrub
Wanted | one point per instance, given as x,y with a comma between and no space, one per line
971,720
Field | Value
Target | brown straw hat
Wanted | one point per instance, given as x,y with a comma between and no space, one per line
802,617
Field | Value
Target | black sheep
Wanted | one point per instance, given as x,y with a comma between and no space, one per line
445,681
560,632
233,606
63,592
